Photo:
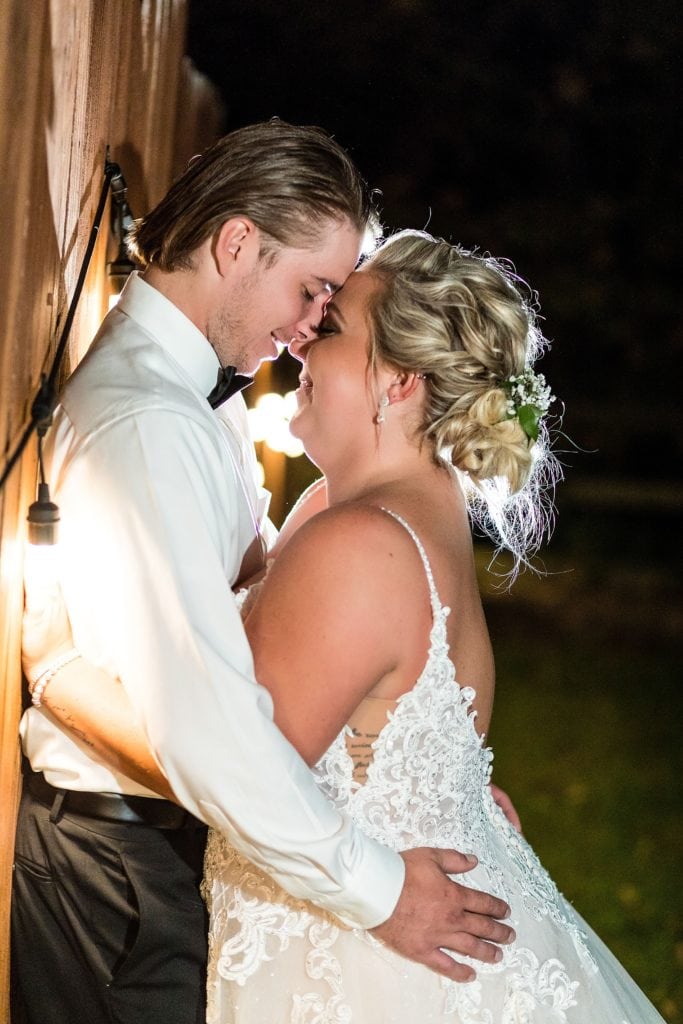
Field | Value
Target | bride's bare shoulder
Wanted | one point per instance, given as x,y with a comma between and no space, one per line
357,525
349,547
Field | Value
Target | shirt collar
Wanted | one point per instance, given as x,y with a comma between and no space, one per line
171,330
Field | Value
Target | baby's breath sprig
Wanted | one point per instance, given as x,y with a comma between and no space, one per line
529,398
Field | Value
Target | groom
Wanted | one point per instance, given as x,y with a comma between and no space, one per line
159,512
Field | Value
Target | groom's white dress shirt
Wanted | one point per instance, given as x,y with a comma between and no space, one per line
157,510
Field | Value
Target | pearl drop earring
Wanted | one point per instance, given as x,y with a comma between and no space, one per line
383,403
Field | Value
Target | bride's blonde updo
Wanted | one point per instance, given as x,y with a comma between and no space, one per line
463,322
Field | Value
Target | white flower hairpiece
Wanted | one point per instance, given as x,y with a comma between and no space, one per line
529,398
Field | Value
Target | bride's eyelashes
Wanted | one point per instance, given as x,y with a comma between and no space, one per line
327,326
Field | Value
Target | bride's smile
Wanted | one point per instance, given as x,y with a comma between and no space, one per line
335,395
305,385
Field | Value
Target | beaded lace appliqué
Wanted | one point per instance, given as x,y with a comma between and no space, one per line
427,785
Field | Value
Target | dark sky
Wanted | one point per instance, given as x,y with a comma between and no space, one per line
541,131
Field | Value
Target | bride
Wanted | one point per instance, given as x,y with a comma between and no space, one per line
419,403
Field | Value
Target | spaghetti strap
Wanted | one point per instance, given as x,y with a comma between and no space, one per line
433,593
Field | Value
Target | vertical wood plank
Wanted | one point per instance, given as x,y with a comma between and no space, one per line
75,76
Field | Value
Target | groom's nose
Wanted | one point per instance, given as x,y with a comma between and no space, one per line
297,338
301,342
306,329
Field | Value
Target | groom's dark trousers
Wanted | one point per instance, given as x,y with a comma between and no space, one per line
108,926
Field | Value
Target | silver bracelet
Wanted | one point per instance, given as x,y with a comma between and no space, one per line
37,687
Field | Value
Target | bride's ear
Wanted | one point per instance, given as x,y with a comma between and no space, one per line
403,386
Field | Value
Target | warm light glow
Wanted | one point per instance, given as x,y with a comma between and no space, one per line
269,422
11,561
41,569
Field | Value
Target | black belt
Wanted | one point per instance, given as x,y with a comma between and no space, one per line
131,810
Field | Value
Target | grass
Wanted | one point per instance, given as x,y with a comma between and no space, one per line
587,739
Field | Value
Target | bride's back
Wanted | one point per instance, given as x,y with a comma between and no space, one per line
434,508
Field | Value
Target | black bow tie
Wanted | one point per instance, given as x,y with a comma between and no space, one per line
229,382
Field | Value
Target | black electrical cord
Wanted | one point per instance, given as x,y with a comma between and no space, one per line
43,404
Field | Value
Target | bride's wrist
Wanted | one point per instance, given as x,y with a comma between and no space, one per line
43,673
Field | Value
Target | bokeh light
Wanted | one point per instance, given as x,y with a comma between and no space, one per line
269,423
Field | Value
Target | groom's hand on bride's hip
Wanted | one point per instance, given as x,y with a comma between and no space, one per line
435,913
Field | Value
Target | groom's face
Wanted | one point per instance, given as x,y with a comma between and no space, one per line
284,298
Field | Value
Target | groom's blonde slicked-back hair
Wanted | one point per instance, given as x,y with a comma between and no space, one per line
288,180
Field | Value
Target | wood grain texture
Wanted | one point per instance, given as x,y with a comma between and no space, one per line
76,76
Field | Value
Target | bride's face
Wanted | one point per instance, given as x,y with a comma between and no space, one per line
336,400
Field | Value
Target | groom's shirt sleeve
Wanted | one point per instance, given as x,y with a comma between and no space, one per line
149,514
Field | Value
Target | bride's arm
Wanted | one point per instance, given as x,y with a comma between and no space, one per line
340,611
106,724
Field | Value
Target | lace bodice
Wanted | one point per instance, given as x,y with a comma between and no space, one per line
427,785
429,768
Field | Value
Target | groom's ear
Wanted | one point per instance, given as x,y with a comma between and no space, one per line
403,386
236,243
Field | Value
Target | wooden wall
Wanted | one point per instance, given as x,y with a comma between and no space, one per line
75,76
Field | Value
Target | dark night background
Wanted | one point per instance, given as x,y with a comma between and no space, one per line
547,133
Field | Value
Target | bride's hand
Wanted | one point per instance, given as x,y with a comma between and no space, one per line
46,632
506,806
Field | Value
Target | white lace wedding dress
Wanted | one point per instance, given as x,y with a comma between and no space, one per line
274,959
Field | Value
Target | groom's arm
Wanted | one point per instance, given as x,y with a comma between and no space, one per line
145,583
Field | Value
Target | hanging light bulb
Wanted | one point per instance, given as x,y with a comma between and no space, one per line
43,518
43,514
41,552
